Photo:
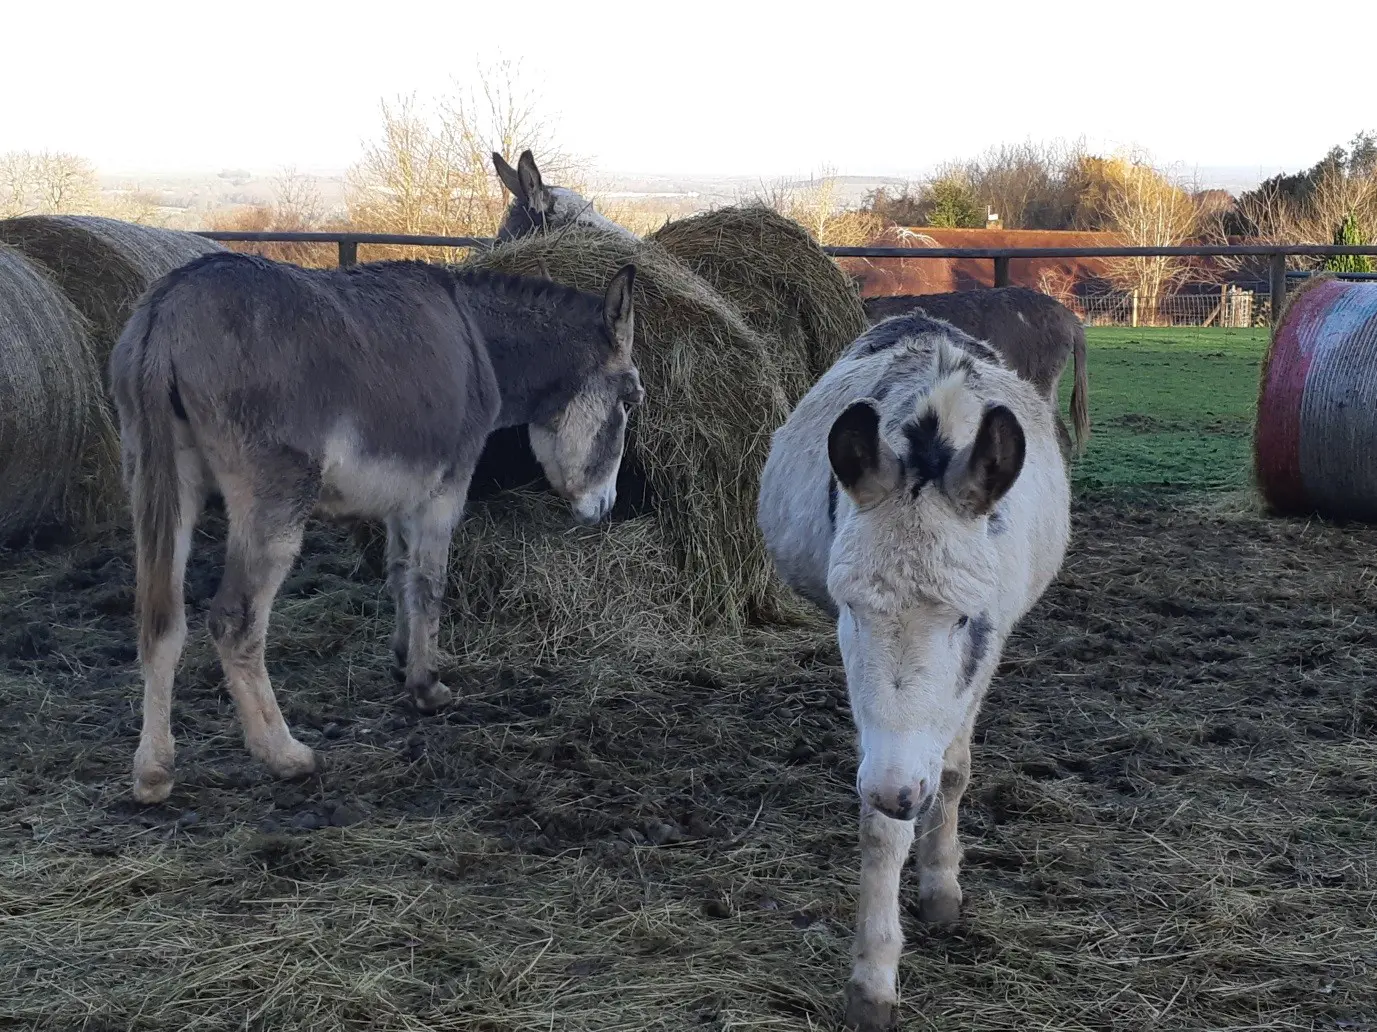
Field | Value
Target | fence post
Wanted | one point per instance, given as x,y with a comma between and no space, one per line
1133,311
1001,272
348,252
1278,264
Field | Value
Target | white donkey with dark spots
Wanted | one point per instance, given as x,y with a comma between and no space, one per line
368,391
918,494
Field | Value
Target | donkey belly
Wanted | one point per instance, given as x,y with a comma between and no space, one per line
375,487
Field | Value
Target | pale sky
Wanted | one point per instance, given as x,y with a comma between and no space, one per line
702,87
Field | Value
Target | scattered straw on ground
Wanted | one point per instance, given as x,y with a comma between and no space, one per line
702,435
57,445
785,285
1169,824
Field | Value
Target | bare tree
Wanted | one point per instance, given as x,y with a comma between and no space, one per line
46,182
818,206
297,201
431,173
1147,209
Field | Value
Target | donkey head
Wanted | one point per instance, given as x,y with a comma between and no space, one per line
914,573
537,207
580,446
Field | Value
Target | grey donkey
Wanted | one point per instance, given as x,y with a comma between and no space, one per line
367,392
537,208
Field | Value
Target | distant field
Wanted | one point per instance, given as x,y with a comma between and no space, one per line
1170,407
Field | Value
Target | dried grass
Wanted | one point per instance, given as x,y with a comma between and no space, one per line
58,449
785,285
699,440
1169,824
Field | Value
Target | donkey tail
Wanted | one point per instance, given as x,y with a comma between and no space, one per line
143,382
1080,388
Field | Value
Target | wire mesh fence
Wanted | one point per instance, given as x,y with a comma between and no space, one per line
1227,307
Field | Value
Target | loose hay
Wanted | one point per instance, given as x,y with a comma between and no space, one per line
700,439
784,284
58,450
1169,824
103,265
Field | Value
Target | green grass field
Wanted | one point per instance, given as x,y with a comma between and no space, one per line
1170,407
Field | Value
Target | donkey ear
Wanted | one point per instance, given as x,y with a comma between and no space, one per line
618,312
865,466
979,476
533,190
508,176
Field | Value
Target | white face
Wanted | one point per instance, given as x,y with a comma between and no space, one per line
914,571
916,651
582,453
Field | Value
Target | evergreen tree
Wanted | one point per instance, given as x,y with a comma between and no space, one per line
1349,234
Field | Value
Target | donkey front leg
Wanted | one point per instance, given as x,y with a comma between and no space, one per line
939,850
873,989
258,557
428,533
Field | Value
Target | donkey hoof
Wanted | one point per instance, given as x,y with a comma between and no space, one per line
866,1014
152,774
295,761
431,697
153,786
941,908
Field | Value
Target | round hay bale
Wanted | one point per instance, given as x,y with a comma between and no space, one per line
695,448
785,286
1315,440
58,449
103,265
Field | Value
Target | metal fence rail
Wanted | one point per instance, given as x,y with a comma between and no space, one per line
1276,255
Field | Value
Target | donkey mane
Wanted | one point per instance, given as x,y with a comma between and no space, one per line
574,303
529,289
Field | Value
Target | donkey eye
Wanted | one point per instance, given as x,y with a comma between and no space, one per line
962,622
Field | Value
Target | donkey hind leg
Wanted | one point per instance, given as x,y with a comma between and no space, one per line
265,534
939,851
428,531
397,576
872,991
154,760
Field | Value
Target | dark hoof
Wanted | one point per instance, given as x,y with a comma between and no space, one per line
939,910
866,1015
432,697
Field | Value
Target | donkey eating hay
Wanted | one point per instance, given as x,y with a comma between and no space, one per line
536,207
918,493
368,391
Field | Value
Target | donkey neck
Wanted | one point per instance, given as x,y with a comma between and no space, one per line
540,355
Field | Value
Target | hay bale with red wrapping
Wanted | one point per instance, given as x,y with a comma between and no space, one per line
1315,440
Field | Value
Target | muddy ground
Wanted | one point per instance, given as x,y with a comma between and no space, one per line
1170,823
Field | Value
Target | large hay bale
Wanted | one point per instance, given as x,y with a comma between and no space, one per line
698,442
103,265
785,286
1315,440
57,445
